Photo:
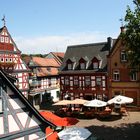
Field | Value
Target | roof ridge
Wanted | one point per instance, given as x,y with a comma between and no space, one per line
89,44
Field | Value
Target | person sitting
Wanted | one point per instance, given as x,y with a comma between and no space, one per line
108,109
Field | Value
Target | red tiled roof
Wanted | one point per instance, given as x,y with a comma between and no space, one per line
45,72
45,61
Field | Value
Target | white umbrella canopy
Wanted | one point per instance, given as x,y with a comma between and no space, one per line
119,99
63,102
78,101
74,133
95,103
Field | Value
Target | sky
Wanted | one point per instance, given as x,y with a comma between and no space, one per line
43,26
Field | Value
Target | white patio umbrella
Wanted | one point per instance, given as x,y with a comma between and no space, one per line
95,103
78,101
119,99
74,133
62,102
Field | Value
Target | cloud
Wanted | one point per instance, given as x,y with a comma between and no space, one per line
59,43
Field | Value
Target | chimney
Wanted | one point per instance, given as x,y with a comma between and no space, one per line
122,29
110,42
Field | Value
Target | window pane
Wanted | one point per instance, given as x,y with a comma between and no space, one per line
123,56
98,81
116,75
134,76
69,66
82,66
75,80
66,80
87,80
95,65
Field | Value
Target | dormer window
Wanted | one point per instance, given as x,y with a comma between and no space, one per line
82,66
123,56
69,66
95,63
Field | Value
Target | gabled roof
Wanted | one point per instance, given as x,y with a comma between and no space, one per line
39,61
87,52
13,43
56,55
45,66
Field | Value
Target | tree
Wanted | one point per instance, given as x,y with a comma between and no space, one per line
131,36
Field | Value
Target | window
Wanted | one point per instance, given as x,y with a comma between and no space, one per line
116,75
123,56
98,81
82,66
6,39
133,76
69,66
2,39
66,80
75,80
95,65
87,81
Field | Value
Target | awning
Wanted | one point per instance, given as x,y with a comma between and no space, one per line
58,121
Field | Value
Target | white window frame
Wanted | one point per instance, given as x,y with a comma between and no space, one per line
87,80
67,80
6,39
69,66
82,66
98,81
2,39
123,56
76,81
116,75
95,65
134,76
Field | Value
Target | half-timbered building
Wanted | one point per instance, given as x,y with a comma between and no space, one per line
44,80
123,79
11,62
19,120
83,73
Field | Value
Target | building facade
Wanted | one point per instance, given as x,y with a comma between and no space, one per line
122,79
44,80
11,62
19,120
83,73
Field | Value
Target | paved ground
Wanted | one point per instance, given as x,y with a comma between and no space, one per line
118,128
115,128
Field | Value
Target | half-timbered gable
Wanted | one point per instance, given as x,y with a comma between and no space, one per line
83,73
11,62
18,119
123,79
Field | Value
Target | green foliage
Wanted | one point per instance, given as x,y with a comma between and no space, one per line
131,36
